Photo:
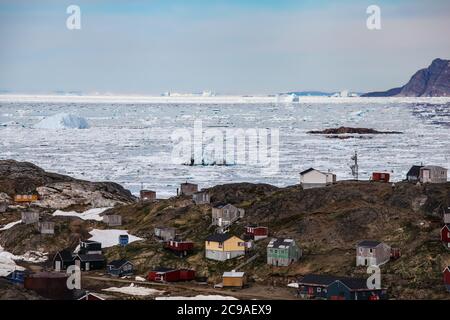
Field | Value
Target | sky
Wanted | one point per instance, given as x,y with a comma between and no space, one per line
225,46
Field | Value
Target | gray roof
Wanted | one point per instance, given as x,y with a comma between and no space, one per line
90,257
233,274
119,263
369,243
281,243
219,237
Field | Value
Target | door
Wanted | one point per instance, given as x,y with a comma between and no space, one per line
57,266
228,255
426,175
87,266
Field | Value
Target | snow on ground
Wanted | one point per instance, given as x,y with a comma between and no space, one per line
91,214
198,297
140,279
110,238
293,285
10,225
135,290
62,121
7,263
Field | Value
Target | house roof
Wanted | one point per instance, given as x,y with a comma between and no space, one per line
326,280
219,237
414,171
221,206
306,171
65,255
312,169
369,243
447,269
434,167
317,280
90,241
163,269
91,257
446,226
233,274
281,243
189,184
83,294
118,263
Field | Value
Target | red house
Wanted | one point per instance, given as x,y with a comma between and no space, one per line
447,278
182,248
381,176
256,233
445,235
170,275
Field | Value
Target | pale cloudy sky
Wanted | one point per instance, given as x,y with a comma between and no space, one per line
228,46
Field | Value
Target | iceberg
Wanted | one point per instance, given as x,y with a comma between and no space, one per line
63,121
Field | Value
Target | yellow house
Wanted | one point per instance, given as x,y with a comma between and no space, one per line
223,246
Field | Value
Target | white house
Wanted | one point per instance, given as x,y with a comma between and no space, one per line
372,253
433,174
313,178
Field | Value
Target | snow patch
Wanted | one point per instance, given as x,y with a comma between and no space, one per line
63,121
134,290
10,225
7,263
137,278
110,238
91,214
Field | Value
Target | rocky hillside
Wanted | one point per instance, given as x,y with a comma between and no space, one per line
326,222
433,81
57,191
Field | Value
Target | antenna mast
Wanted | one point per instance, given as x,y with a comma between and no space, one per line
354,166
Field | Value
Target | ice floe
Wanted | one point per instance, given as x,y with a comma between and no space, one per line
62,121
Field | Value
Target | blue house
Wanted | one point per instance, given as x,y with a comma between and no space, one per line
123,239
314,286
17,276
120,268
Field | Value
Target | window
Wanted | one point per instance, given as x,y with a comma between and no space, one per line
319,289
221,245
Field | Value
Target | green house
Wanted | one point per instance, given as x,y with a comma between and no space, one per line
283,252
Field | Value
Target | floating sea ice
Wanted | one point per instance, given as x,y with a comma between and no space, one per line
63,121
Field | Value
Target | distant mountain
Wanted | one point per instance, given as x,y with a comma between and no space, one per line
433,81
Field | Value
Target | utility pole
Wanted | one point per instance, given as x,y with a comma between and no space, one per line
354,166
